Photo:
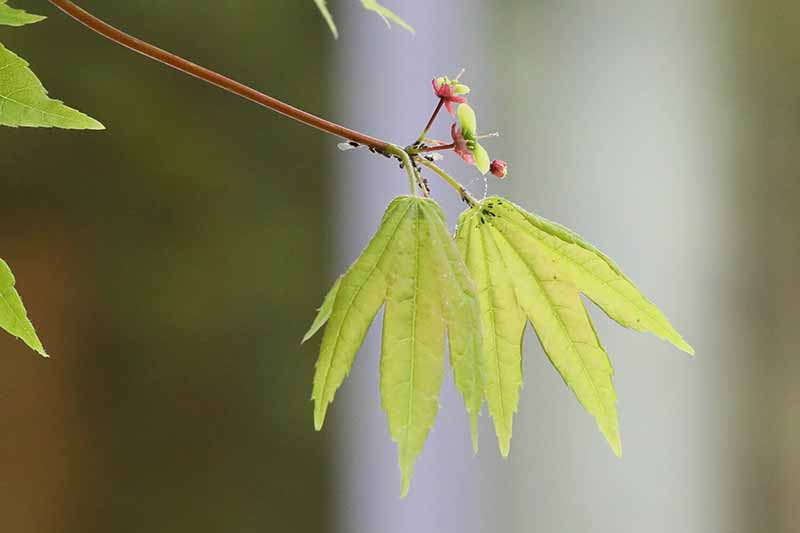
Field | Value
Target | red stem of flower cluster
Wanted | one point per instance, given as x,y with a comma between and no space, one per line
214,78
429,125
439,148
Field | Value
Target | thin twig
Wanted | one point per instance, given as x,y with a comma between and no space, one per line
214,78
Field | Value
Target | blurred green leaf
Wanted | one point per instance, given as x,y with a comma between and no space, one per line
326,14
16,17
413,267
13,317
24,101
386,14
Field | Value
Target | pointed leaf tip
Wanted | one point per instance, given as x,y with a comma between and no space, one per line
319,416
405,484
617,449
13,316
10,16
684,346
326,14
324,311
24,100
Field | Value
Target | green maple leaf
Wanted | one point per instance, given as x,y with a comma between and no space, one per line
23,98
412,267
385,13
16,17
527,267
13,317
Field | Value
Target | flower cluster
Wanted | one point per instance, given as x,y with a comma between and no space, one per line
451,92
465,133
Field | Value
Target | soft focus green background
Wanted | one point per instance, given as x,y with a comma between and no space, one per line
170,264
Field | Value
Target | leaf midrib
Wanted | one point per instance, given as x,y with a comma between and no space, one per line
490,286
411,380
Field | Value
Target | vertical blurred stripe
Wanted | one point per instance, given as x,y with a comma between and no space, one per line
666,134
627,130
384,88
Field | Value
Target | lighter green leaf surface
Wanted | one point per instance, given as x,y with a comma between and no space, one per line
412,266
548,266
386,14
462,317
595,274
412,351
326,14
361,294
24,101
16,17
503,324
324,312
13,317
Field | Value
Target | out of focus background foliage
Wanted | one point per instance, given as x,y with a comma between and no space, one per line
172,263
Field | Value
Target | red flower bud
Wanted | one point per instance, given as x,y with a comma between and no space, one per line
447,92
499,168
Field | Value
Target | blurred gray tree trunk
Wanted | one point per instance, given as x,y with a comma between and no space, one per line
668,134
766,40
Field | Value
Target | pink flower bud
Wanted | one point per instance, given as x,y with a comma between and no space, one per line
499,168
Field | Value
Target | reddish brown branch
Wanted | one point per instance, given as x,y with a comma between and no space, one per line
438,148
214,78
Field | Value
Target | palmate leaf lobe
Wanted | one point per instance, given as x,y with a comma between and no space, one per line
526,266
411,266
322,5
